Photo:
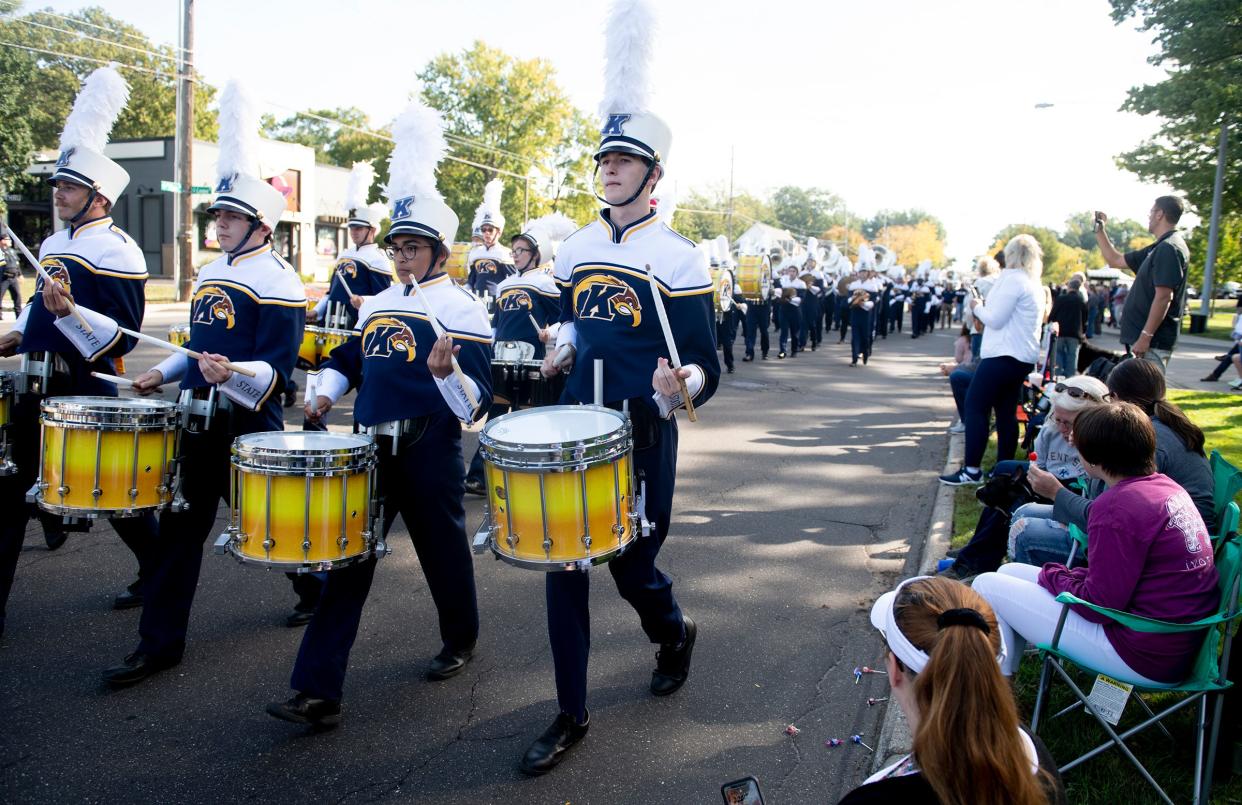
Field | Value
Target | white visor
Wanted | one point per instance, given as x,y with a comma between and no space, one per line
912,657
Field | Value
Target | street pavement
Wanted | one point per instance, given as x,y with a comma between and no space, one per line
804,491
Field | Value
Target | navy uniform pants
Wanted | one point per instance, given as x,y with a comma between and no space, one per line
138,533
756,323
843,315
424,483
861,334
791,327
638,580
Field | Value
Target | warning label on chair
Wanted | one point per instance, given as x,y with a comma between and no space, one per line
1109,697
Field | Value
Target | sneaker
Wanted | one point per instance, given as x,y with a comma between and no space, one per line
1236,384
957,427
962,477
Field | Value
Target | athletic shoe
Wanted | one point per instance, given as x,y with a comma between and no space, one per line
962,477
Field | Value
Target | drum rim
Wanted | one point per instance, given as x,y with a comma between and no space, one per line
553,566
572,456
91,412
314,328
358,458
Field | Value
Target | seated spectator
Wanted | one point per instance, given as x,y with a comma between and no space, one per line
1055,458
1150,556
944,646
1179,455
959,373
1035,535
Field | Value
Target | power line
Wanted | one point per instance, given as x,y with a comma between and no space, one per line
120,65
110,43
137,37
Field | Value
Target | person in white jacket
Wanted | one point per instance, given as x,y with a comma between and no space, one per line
1012,317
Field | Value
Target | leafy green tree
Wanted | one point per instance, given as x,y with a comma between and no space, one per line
16,144
873,227
1125,233
46,93
1048,240
1228,252
1200,47
807,210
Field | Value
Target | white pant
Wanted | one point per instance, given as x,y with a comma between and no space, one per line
1029,613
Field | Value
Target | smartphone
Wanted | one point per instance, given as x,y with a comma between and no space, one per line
742,792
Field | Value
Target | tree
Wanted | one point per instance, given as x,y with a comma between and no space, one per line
1125,233
917,242
1228,252
807,210
1047,238
16,143
504,114
46,94
873,228
1200,46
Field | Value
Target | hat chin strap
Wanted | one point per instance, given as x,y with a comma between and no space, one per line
90,199
255,223
651,166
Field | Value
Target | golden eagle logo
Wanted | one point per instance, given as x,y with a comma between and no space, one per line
211,304
385,336
58,271
349,266
485,266
515,299
604,297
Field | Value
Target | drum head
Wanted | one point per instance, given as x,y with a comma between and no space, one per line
300,441
557,424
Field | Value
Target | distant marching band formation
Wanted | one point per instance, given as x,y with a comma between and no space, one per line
577,343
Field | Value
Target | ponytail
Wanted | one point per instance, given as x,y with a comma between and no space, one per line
968,718
1140,382
1177,421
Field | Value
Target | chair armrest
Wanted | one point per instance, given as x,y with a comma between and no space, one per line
1141,624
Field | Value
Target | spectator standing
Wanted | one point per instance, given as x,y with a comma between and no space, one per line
1153,308
1012,316
1093,312
10,274
1069,312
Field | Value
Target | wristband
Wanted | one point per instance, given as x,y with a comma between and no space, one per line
1149,335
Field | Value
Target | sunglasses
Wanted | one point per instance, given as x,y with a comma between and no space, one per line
1080,394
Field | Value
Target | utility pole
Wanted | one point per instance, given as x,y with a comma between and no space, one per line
183,250
729,215
1209,264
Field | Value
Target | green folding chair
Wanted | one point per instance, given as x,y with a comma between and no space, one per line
1226,483
1208,677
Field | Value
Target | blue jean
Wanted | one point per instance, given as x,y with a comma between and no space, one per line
959,381
996,387
986,549
976,343
1035,538
1067,357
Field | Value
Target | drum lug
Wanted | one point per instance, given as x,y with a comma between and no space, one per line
268,544
512,540
96,493
7,468
586,542
179,505
219,548
547,546
62,490
32,496
341,543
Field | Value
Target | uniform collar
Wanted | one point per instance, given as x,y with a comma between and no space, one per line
434,281
264,248
98,225
640,228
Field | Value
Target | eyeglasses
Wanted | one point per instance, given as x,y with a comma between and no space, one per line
409,250
522,250
1080,394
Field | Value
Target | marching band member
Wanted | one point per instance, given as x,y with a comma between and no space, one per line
758,317
731,310
529,294
363,270
489,263
811,299
607,313
101,268
788,312
414,403
249,308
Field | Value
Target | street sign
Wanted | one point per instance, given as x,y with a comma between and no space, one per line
175,187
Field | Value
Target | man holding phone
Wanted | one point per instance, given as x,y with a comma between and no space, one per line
1152,313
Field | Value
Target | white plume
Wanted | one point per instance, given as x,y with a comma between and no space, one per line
99,103
722,249
420,145
239,133
555,227
866,257
492,193
628,48
359,188
667,207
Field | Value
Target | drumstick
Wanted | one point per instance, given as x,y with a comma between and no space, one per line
673,355
189,353
535,324
439,331
120,381
73,309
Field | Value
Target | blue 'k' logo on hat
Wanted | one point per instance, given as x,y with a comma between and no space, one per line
65,156
615,126
401,207
225,185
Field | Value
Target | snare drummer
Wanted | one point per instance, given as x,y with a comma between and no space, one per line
528,308
249,308
410,397
606,310
103,270
489,262
363,270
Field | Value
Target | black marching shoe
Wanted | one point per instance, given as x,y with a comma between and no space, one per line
673,663
131,598
137,667
448,663
747,358
299,617
54,537
550,748
475,488
781,355
303,709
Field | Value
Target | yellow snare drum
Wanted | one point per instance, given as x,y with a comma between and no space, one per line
330,339
105,456
8,395
179,334
455,266
754,274
560,483
308,351
301,500
318,343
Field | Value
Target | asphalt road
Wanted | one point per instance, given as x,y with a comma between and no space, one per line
801,492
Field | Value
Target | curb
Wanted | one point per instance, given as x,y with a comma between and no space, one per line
895,740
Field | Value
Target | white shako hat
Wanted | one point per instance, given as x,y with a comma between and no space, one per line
628,124
238,186
99,103
359,212
414,203
488,213
545,234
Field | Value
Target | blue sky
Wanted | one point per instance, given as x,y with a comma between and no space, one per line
891,103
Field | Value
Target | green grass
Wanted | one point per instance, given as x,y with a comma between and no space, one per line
1109,778
1220,323
159,291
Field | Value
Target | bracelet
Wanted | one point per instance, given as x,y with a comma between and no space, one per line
1149,335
